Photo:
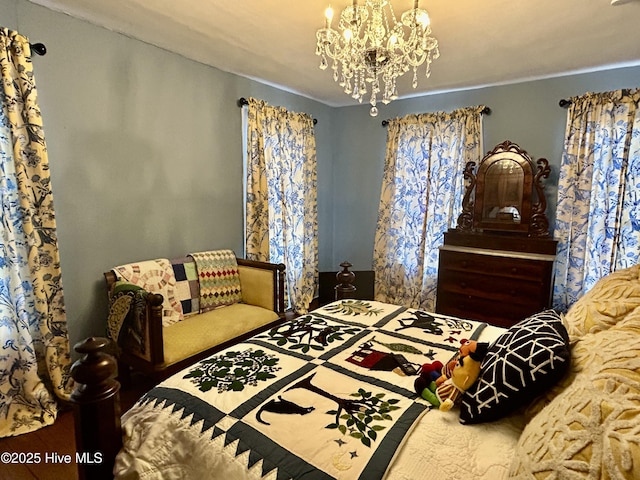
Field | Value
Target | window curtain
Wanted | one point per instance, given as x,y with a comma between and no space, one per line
598,212
421,198
281,209
34,345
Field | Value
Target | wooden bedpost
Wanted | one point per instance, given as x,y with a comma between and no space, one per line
345,287
96,402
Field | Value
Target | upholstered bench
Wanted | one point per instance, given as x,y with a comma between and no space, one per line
166,314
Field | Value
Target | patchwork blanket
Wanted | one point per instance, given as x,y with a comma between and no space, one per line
219,278
320,396
155,276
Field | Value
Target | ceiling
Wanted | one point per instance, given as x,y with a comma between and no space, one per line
482,42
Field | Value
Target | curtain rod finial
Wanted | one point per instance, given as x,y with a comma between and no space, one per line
38,48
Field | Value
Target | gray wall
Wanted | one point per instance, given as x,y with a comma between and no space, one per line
525,113
145,151
146,154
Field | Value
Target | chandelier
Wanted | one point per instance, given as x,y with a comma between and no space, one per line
371,49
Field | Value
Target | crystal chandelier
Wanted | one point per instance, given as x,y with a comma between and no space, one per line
373,47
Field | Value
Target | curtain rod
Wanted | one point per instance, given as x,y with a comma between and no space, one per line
564,103
38,48
485,111
243,101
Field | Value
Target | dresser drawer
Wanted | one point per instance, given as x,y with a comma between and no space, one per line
494,287
500,313
493,264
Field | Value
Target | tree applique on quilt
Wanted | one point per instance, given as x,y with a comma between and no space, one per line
308,333
361,416
233,370
353,307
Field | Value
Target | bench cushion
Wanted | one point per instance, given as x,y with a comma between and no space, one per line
200,332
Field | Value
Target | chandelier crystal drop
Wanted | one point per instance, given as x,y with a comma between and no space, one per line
371,49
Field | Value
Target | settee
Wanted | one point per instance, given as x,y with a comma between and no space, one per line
166,314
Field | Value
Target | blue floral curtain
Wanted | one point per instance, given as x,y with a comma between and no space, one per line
598,212
421,198
34,345
281,209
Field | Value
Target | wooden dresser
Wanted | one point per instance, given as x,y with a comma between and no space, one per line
494,277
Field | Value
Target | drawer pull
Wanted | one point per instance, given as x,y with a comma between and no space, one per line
514,270
463,284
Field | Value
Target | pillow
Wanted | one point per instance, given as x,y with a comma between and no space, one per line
590,430
187,289
610,300
523,362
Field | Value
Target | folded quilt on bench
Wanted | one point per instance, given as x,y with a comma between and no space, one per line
219,278
207,280
155,276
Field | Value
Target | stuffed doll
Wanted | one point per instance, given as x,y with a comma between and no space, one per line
442,386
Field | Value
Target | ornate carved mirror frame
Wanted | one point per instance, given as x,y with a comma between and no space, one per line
506,194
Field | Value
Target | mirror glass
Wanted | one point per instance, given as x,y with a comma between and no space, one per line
503,191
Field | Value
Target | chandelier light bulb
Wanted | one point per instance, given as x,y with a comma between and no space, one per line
370,45
423,19
328,15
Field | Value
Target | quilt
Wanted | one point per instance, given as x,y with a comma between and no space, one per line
320,396
218,277
155,276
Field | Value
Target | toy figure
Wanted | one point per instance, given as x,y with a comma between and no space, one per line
443,385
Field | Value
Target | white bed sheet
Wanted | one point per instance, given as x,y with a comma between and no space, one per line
441,448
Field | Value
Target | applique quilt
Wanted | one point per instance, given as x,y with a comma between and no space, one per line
320,396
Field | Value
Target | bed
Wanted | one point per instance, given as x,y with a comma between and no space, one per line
320,397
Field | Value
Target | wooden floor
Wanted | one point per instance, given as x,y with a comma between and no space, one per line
58,438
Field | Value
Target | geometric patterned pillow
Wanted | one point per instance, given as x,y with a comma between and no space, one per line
521,364
187,288
155,276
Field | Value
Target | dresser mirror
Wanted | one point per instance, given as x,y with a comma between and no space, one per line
506,193
503,186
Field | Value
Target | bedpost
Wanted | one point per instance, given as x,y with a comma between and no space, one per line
96,402
345,287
